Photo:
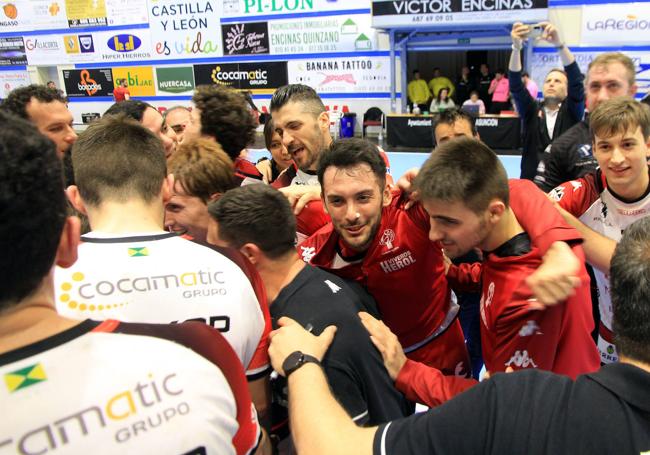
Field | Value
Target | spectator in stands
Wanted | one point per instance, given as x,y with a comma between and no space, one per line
223,115
202,173
531,412
258,221
153,275
500,91
474,100
280,157
564,97
177,118
609,76
442,102
530,85
112,370
149,117
483,84
439,81
47,110
465,85
418,92
121,91
603,203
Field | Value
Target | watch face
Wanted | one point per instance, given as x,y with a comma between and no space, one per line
293,361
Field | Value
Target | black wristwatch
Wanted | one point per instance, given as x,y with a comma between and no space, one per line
295,360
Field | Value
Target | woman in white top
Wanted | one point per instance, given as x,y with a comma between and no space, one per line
442,102
474,100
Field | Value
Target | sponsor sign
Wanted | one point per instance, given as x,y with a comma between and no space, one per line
542,62
342,75
12,51
176,80
86,13
263,77
405,13
79,48
125,12
88,82
323,34
10,80
45,50
123,45
139,79
27,15
628,23
234,8
185,29
248,38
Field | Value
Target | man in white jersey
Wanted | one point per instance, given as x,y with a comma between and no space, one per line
88,387
606,201
130,269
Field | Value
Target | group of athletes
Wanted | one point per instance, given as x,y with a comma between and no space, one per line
158,296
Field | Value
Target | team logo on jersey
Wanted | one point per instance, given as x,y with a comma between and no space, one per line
25,377
138,251
486,302
308,252
576,185
557,193
398,262
332,286
521,359
529,328
387,238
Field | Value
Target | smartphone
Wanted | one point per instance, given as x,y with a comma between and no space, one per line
536,31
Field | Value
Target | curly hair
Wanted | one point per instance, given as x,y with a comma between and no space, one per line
32,208
226,117
18,99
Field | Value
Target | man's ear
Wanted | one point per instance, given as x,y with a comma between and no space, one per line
496,209
66,252
324,121
167,188
388,195
72,192
252,252
214,197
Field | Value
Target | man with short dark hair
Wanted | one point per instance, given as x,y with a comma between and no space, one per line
130,268
222,114
149,117
46,108
531,412
177,118
610,75
453,123
258,221
99,376
564,97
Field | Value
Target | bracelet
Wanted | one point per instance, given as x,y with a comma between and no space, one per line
560,47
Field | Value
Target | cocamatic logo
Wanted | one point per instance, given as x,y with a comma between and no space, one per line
25,377
124,43
86,83
255,77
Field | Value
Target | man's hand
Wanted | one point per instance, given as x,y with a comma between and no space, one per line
519,33
291,337
550,34
264,167
555,280
405,183
300,195
386,342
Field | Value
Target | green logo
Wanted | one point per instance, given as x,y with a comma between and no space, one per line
25,377
175,80
349,27
362,42
610,349
137,252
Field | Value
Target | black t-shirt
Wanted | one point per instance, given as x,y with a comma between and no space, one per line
533,412
353,366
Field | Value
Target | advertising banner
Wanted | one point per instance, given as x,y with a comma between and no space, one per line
323,34
189,29
243,39
409,13
342,75
27,15
542,62
45,50
10,80
175,80
86,13
12,51
626,24
123,45
126,12
88,82
139,79
79,48
252,8
262,77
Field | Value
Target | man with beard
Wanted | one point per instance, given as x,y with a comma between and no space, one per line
564,97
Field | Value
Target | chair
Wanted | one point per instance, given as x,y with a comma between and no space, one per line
372,117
